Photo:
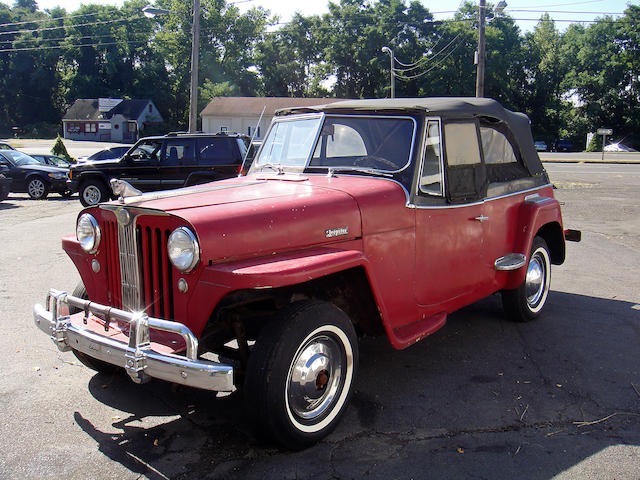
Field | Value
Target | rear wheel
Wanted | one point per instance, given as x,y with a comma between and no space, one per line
525,303
301,373
93,192
37,188
88,361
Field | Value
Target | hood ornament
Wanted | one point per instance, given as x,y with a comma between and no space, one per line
123,189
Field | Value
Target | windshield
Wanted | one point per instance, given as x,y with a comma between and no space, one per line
288,143
19,158
345,142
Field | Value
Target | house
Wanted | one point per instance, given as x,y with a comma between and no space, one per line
109,119
241,114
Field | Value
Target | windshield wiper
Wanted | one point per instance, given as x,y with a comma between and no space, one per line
333,170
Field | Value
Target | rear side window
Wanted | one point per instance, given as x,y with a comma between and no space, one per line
496,147
179,153
216,151
503,160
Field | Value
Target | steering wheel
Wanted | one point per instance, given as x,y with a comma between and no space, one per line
372,161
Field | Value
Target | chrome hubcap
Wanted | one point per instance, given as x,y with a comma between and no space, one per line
36,188
315,377
91,195
536,285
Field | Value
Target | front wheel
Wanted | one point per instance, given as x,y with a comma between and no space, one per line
37,188
93,192
525,303
301,373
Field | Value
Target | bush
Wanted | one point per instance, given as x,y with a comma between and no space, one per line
60,150
595,145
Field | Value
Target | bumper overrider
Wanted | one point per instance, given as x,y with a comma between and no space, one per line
138,357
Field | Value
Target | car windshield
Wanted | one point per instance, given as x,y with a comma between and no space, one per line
59,162
288,143
344,142
19,158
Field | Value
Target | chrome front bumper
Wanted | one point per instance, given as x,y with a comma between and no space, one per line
138,356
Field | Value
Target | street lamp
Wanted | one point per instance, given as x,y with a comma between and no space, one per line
150,11
393,79
481,44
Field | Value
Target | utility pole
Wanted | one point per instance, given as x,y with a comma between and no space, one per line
195,44
393,77
480,53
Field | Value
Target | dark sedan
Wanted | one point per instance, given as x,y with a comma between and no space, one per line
53,160
32,177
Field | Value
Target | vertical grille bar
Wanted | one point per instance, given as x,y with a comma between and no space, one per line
166,279
155,274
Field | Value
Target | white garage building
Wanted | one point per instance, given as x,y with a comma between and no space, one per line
241,114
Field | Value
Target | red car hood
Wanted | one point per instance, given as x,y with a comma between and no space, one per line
264,215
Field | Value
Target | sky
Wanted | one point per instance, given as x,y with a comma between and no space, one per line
576,9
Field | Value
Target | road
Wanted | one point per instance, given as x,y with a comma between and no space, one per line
481,398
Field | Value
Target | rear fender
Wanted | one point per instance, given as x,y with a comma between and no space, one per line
540,216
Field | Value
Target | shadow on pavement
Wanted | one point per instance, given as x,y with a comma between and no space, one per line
481,398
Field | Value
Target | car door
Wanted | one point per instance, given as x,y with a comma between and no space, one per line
177,162
449,215
220,156
140,166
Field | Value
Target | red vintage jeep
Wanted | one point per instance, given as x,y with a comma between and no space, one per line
356,217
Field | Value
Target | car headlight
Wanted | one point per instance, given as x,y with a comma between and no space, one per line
183,249
58,176
88,233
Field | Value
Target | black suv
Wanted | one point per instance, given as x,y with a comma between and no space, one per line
157,163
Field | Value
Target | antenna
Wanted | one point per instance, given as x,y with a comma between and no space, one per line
255,130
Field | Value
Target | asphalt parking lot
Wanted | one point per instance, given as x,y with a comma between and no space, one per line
481,398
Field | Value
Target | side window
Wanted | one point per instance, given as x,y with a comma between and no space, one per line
462,144
215,151
431,175
179,153
146,151
496,147
501,158
466,174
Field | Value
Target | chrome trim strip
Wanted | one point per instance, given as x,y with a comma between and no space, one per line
137,356
485,200
533,189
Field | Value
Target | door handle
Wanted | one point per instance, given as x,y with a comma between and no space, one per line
481,218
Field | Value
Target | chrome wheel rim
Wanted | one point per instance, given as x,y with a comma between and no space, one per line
36,188
91,194
537,280
315,377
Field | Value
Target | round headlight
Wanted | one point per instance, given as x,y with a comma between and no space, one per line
88,233
183,248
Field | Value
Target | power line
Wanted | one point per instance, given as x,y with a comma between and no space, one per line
28,49
103,22
405,78
429,57
42,20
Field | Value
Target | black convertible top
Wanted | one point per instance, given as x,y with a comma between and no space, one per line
447,107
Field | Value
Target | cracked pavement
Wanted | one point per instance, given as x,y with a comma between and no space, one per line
482,398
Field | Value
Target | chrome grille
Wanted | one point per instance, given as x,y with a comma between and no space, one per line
129,272
139,271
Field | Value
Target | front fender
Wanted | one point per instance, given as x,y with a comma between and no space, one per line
284,269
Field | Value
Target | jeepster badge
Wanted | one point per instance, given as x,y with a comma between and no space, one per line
336,232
